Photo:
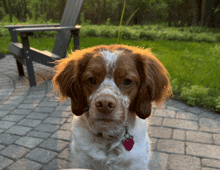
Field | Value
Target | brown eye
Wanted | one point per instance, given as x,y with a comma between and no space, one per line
91,81
127,82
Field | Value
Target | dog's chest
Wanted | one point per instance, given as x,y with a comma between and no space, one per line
116,158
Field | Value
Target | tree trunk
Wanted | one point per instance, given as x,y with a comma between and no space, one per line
209,14
10,11
5,6
25,10
195,12
203,12
104,11
93,16
217,14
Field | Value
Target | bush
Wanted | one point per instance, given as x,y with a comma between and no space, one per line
91,32
147,35
218,104
136,32
106,33
194,95
125,34
218,37
204,37
175,87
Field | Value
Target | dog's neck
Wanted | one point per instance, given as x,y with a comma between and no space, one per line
121,133
118,133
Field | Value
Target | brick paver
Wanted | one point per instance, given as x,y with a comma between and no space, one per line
35,128
182,162
182,124
41,155
54,145
19,130
211,163
25,164
7,139
170,146
202,150
14,152
29,142
4,162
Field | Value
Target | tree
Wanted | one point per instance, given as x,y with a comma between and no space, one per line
196,11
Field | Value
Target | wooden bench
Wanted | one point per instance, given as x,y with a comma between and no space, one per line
25,55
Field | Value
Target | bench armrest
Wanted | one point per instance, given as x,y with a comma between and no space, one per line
30,30
31,26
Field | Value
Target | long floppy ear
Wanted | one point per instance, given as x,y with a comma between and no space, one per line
67,79
155,85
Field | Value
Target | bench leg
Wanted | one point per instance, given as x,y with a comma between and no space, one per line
29,62
76,40
20,68
30,70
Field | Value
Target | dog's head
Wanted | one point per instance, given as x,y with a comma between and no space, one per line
113,82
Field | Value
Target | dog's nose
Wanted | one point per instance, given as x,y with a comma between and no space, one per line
105,104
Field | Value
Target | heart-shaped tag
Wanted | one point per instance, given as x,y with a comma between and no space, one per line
128,144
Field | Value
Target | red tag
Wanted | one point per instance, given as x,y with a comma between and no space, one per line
128,144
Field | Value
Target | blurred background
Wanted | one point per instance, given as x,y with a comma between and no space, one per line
170,12
183,34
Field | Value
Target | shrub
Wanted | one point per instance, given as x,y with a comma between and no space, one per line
125,34
147,35
218,104
106,33
91,32
218,37
148,32
175,87
209,102
174,36
194,95
204,37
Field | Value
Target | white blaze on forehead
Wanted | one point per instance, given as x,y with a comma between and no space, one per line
110,58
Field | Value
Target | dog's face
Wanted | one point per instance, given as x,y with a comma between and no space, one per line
115,83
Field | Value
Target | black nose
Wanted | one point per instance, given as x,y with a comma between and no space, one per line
105,104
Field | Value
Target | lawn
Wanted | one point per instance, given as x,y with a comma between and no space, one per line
194,67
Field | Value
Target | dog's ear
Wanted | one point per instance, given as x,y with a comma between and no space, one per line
155,85
67,79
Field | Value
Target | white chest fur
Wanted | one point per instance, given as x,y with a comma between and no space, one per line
93,152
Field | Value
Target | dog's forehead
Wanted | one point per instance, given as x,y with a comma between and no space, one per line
116,58
110,59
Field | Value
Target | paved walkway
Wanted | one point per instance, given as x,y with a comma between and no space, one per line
35,128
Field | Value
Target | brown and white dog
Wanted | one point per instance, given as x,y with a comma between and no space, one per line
111,90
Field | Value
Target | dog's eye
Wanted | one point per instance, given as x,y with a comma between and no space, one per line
91,81
127,82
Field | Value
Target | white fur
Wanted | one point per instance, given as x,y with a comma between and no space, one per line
87,154
110,58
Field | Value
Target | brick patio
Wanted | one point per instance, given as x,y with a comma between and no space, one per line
35,128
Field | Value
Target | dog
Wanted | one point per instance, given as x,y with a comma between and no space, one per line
111,90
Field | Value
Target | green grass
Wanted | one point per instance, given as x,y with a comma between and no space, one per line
194,67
